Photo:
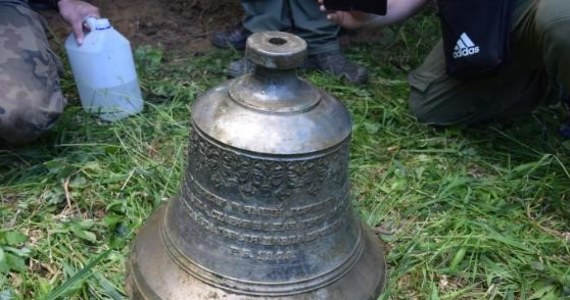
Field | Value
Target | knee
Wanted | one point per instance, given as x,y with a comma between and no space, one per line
30,95
425,110
429,99
26,116
417,106
445,105
553,28
553,21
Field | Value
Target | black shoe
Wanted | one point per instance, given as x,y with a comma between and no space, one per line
239,67
232,37
337,64
334,63
244,66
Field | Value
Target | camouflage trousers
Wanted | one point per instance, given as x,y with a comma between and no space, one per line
30,95
539,72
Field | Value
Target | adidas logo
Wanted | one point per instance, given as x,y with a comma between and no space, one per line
464,47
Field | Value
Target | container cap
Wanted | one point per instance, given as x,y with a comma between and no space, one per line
98,24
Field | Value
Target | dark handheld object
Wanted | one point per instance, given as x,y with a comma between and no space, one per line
377,7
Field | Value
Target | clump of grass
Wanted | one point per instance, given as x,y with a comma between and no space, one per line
466,214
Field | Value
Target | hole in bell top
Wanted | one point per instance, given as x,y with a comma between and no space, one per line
276,50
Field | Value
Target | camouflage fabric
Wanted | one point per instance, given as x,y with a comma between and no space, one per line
30,96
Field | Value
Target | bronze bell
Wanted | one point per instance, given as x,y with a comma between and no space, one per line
264,210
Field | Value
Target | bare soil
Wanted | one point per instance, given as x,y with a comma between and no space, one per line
177,25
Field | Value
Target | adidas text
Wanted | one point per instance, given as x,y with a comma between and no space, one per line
466,52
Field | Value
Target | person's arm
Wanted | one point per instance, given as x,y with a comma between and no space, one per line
397,11
74,13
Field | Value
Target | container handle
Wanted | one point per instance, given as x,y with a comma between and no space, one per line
91,22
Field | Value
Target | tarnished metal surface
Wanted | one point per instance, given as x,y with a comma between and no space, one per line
264,209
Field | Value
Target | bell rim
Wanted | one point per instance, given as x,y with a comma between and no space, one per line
140,287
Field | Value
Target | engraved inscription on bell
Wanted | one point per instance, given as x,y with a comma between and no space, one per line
264,209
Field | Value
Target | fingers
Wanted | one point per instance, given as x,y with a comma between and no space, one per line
93,12
77,29
325,10
75,12
333,17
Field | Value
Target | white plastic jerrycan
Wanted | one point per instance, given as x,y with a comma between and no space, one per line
104,72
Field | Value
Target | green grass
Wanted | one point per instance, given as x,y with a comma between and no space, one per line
466,214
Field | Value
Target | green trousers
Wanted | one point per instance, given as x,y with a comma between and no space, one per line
30,95
539,72
301,17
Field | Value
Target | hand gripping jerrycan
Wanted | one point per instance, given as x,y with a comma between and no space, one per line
104,72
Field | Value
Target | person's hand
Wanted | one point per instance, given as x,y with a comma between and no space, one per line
397,11
350,19
74,13
347,19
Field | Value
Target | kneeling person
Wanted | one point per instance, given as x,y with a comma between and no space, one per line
538,71
30,95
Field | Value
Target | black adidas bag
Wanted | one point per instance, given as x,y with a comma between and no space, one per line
476,35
